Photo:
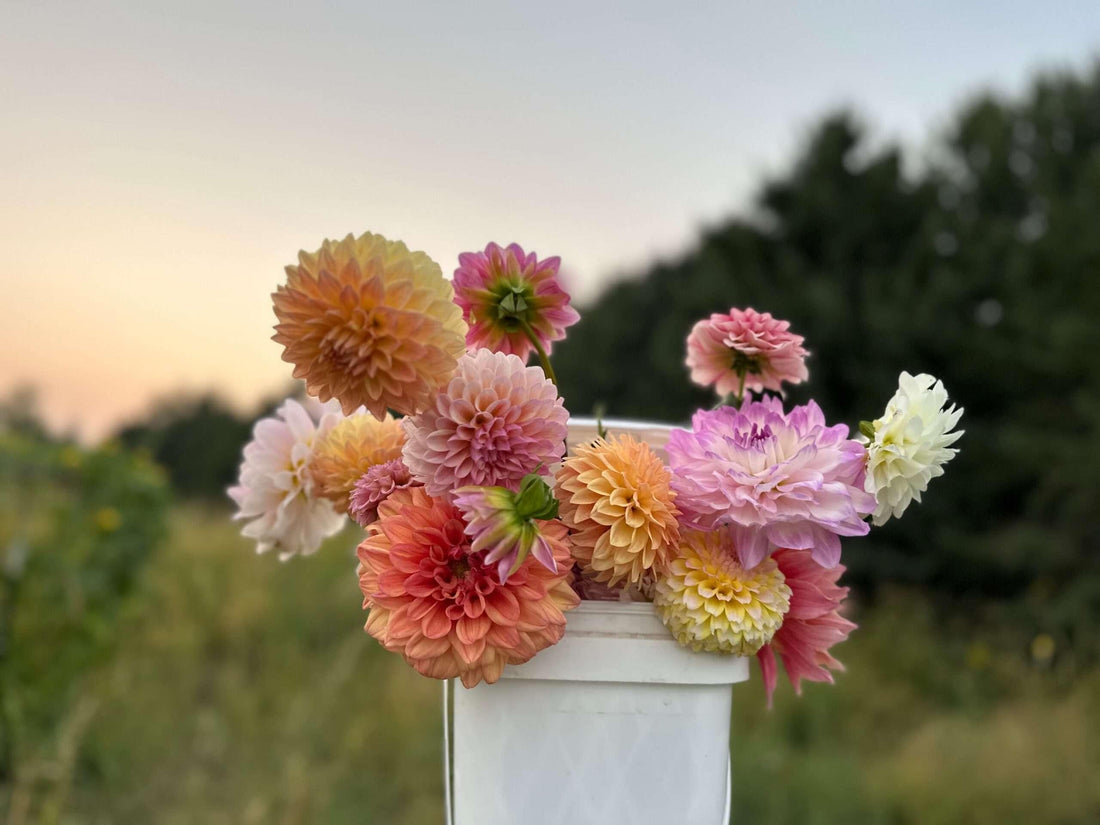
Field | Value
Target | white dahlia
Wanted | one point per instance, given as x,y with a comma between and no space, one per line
276,489
908,446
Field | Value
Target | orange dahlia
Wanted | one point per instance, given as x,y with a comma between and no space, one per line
353,446
368,322
442,606
616,496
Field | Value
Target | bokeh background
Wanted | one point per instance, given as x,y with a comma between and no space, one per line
913,187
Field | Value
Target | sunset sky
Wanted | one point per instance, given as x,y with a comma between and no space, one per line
158,168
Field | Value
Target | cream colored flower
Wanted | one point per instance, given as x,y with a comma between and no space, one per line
908,446
352,447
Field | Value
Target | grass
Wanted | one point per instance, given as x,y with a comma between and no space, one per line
245,691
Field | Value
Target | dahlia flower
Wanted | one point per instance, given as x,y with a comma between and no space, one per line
495,422
509,525
745,350
374,487
511,300
442,607
353,446
368,322
276,489
909,445
791,479
710,602
616,496
812,626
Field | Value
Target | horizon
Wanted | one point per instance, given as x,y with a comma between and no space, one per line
162,167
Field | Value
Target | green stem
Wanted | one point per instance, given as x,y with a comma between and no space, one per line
741,390
543,357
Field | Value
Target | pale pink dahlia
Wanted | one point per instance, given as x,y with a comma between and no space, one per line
276,493
745,350
493,423
792,480
375,486
444,609
511,299
812,626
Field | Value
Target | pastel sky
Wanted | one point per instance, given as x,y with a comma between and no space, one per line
160,163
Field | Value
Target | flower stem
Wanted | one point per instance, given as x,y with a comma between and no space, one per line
543,357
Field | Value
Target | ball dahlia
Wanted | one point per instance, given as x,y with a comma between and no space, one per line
511,300
368,322
745,350
616,496
276,492
442,607
350,448
812,626
495,421
790,478
909,445
711,603
375,486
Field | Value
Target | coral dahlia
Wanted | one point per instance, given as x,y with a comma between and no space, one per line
353,446
812,626
368,322
616,495
745,350
710,602
442,607
511,300
495,421
795,481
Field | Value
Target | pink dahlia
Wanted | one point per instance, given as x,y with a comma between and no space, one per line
511,300
507,526
444,609
792,480
375,486
812,626
745,350
493,423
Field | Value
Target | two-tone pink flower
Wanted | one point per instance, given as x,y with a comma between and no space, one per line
745,350
512,301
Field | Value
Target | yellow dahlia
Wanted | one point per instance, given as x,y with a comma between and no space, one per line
368,322
710,602
353,446
616,495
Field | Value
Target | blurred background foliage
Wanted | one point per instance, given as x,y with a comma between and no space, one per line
153,670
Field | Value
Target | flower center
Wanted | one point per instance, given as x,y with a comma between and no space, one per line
744,364
512,302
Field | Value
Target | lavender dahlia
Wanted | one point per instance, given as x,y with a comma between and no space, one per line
790,478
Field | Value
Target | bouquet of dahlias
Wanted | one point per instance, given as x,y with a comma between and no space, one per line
482,532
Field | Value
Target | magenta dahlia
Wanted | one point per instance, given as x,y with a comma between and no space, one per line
512,301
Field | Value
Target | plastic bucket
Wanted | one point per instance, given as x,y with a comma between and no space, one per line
614,724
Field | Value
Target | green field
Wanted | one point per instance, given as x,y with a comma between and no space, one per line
245,691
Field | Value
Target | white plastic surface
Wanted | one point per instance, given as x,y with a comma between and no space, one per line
633,733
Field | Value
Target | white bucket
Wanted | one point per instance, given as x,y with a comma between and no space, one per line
616,723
